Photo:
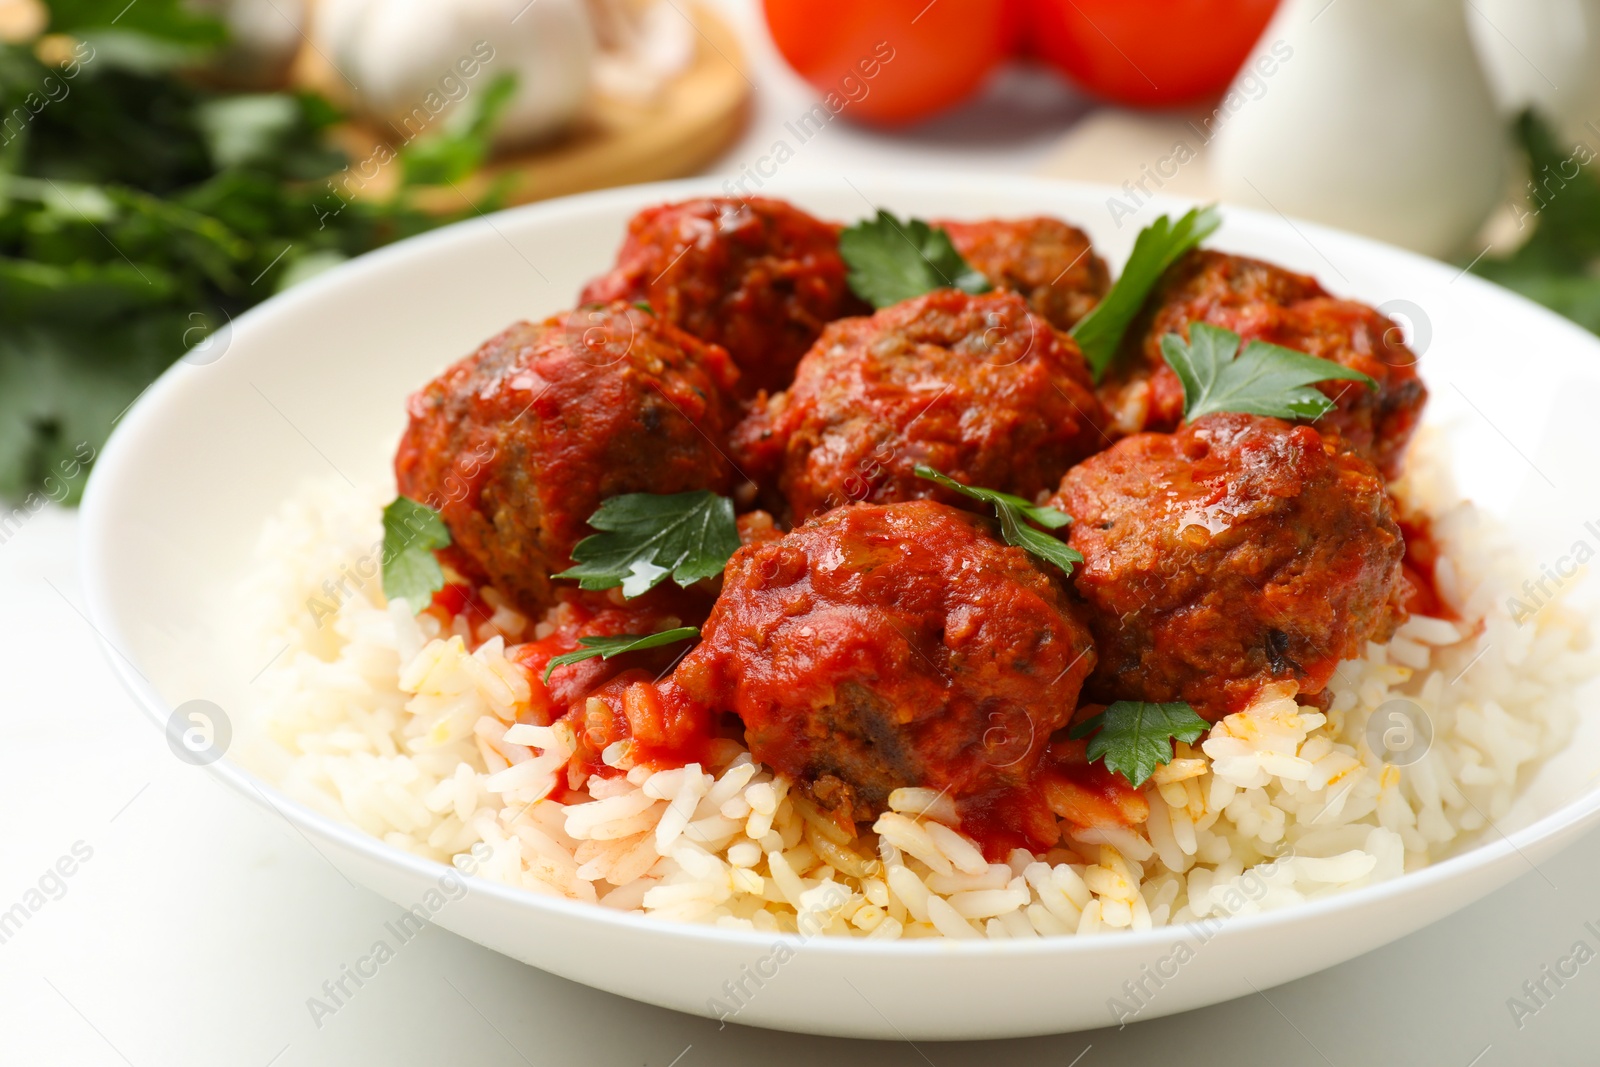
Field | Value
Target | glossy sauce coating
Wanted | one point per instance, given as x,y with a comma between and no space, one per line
1421,580
759,277
1261,302
898,642
518,444
1050,263
1236,552
882,646
624,698
978,387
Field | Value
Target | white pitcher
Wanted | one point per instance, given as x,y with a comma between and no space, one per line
1545,55
1380,121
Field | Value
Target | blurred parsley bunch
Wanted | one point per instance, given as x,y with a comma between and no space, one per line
141,211
1559,264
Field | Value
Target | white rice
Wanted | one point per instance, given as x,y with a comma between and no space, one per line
382,720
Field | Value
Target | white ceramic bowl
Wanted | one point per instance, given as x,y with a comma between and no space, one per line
314,381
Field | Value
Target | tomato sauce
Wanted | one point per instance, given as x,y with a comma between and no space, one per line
1008,818
622,698
663,725
1064,785
1418,571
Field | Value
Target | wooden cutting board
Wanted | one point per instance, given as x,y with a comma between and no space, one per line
617,142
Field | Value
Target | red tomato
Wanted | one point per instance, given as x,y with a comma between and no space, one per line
1147,53
892,62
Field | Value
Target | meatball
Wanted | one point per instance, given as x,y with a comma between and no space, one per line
520,442
1049,262
978,387
759,277
892,645
1260,302
1237,552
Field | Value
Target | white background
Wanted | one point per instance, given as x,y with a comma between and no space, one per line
201,924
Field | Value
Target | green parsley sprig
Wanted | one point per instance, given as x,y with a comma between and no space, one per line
891,260
645,537
1014,514
454,153
411,533
606,647
142,211
1158,246
1557,265
1134,737
1264,379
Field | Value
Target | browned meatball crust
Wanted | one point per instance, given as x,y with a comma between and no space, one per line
882,646
1236,552
1261,302
978,387
759,277
520,442
1051,264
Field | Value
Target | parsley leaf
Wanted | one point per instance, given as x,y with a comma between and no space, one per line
606,647
891,261
647,536
1555,266
1566,199
1265,379
1158,246
1135,737
462,147
411,531
142,211
1012,511
167,21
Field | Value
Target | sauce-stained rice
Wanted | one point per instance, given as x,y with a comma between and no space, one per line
387,721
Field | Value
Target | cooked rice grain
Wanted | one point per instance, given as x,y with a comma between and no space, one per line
407,730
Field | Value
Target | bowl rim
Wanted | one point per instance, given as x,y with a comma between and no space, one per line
98,522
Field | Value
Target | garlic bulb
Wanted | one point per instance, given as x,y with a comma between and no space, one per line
1376,118
408,62
641,47
1542,56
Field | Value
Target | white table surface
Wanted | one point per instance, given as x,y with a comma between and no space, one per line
200,924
